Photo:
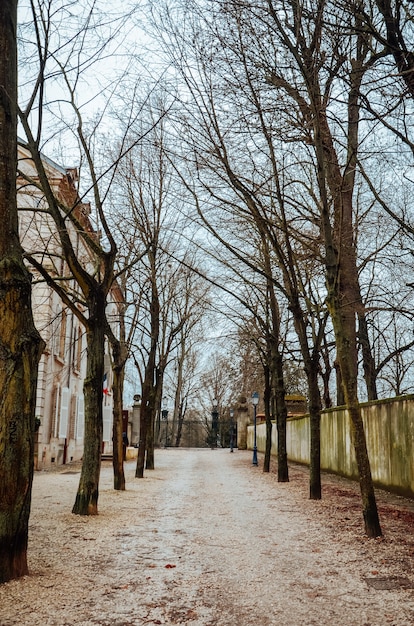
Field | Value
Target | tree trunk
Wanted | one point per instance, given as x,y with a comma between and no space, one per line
326,374
276,371
20,344
146,409
146,431
370,372
343,297
315,483
86,502
311,366
177,422
340,396
150,460
180,420
155,403
20,350
267,397
143,429
342,304
347,358
281,417
117,436
342,283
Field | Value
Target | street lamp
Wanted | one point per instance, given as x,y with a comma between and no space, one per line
255,402
231,429
214,422
164,415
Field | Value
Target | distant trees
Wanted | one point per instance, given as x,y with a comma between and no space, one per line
279,117
254,188
167,296
191,300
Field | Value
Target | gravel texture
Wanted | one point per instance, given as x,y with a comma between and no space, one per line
207,539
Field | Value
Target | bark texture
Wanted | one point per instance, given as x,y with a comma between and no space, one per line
148,387
119,357
20,344
86,502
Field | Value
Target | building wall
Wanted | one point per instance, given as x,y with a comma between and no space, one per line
62,369
389,428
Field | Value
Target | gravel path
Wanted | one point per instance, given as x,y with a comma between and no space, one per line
207,539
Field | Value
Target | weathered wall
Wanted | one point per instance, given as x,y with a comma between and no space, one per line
389,427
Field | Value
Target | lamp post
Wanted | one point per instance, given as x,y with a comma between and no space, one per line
231,430
214,422
255,402
164,416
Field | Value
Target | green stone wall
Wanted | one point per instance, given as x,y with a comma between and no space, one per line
389,428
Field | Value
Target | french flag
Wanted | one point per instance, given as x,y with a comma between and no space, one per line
105,385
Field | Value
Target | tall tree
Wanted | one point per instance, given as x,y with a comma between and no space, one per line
305,42
87,262
65,56
20,343
94,279
258,193
120,350
305,57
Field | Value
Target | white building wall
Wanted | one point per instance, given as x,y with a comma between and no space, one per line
62,369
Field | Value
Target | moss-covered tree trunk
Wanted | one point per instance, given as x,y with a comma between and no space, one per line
20,350
20,344
347,358
341,274
343,292
86,502
343,302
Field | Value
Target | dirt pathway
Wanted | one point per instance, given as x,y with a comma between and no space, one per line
208,540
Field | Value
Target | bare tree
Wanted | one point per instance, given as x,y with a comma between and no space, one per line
192,302
63,58
299,54
336,186
260,191
163,278
20,343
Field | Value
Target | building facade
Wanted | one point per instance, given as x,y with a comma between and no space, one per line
62,368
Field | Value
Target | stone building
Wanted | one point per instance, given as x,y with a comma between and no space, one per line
60,401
